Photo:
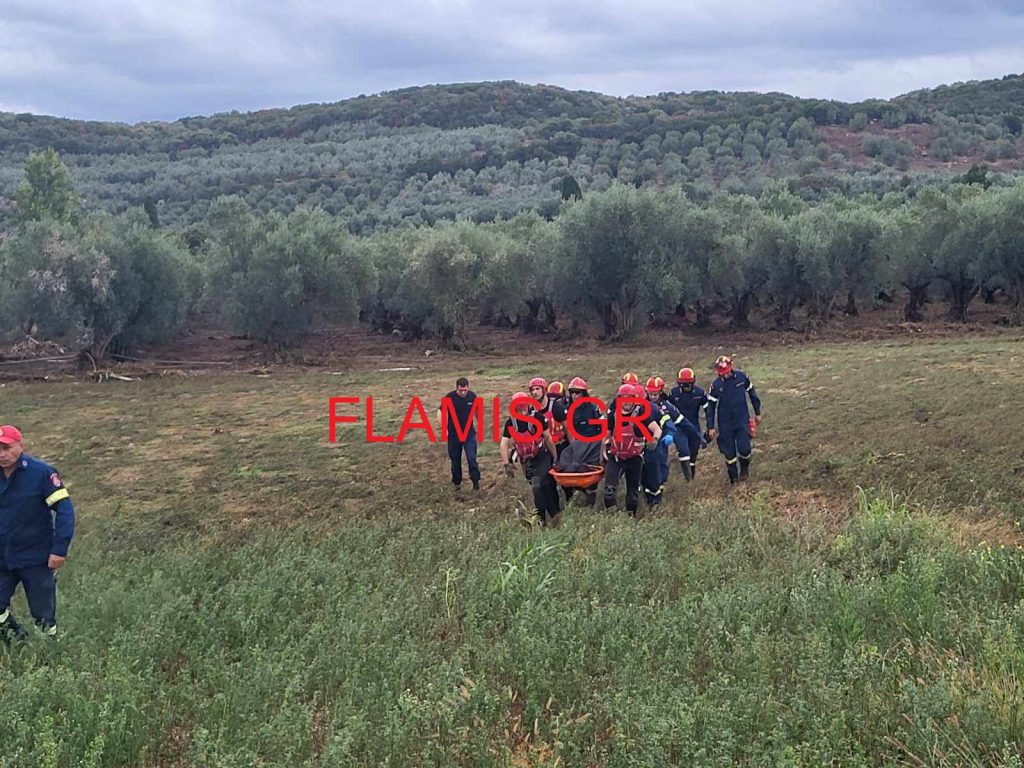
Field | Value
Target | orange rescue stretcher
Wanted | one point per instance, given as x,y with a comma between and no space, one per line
586,479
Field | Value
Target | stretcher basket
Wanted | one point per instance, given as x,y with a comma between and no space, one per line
586,479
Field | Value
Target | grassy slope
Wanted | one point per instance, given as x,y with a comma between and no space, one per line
241,590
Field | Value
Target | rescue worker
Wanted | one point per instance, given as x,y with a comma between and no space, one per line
689,399
462,399
684,434
655,472
536,452
623,448
539,392
627,378
557,412
729,418
584,449
37,523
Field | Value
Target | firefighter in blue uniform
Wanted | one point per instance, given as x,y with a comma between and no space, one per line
37,523
655,473
689,399
729,418
684,432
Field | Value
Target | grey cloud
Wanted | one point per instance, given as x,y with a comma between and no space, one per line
140,60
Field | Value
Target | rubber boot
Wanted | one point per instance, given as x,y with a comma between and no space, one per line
687,466
744,469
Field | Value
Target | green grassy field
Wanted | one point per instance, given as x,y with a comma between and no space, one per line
242,592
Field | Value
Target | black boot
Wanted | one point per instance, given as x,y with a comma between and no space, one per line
744,469
687,467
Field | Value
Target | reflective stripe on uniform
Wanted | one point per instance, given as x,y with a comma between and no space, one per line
745,458
51,631
750,385
731,461
5,615
712,399
59,495
664,418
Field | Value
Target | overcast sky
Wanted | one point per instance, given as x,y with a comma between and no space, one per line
134,60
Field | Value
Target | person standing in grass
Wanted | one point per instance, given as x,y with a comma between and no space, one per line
689,399
462,435
37,523
729,419
535,450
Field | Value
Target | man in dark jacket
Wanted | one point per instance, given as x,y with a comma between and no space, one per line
37,523
458,407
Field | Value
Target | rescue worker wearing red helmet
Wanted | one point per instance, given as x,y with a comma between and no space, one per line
729,418
587,424
629,377
558,408
690,400
535,451
624,446
682,430
655,471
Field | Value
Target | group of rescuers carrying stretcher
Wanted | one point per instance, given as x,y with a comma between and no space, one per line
553,453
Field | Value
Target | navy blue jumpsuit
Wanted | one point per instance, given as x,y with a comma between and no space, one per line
690,399
728,413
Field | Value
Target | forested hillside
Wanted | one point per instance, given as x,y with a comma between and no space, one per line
483,151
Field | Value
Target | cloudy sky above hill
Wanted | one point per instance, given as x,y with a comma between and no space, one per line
133,60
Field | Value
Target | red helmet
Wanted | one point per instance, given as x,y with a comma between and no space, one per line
519,399
630,378
655,384
578,383
556,388
685,376
537,381
638,391
627,390
723,365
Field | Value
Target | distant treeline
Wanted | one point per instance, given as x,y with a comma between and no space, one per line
610,263
487,151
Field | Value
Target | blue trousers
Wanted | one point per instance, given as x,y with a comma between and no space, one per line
455,449
734,443
40,589
654,474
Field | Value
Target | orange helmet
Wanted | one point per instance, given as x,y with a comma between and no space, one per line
655,384
723,365
578,383
630,378
537,381
556,388
685,376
